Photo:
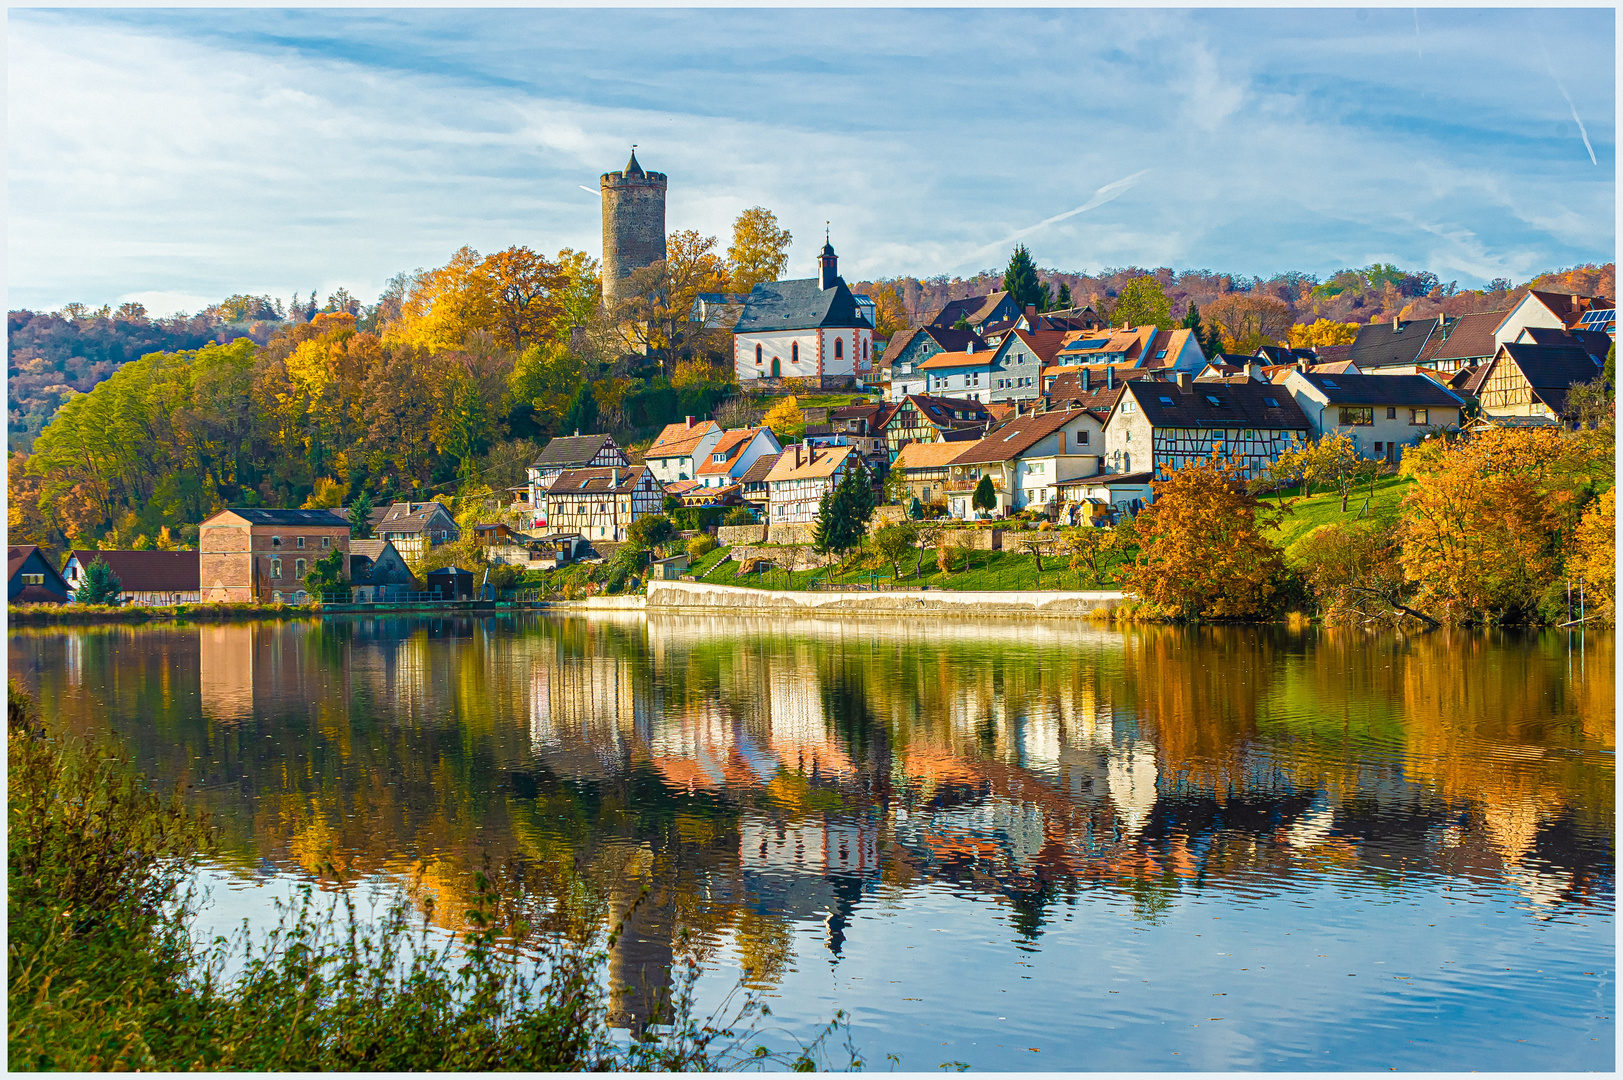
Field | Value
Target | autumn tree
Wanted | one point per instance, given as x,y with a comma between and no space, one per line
785,418
1142,302
397,407
1321,332
759,251
890,314
1020,279
1201,548
526,295
654,316
893,543
442,306
1483,530
1593,555
1249,322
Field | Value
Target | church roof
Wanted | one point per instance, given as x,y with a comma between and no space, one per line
798,305
632,168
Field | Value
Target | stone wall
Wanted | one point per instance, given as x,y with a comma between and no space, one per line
728,535
783,556
691,596
974,539
789,533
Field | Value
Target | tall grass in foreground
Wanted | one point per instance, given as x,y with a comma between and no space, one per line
104,973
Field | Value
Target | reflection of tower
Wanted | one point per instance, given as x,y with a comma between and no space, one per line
641,957
226,671
633,224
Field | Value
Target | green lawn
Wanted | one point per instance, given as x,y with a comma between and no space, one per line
1311,514
989,570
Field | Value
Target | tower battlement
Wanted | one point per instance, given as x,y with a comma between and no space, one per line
633,224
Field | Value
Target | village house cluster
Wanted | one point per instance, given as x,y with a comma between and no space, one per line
1057,411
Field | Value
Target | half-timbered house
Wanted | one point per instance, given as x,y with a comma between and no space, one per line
601,504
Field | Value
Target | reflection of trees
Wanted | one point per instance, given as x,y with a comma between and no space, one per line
732,777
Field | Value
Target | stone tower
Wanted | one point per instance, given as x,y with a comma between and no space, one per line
633,224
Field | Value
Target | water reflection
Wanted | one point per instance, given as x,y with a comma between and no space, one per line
746,778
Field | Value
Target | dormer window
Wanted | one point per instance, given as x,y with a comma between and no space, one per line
1216,404
1165,400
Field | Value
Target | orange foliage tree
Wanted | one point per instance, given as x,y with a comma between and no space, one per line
1201,550
1248,322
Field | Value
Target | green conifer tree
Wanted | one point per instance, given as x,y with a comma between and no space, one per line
581,419
360,517
101,585
984,498
1020,279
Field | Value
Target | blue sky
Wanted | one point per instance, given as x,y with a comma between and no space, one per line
179,156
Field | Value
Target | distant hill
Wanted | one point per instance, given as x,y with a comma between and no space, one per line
1372,294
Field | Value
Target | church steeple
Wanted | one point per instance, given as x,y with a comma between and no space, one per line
632,168
828,264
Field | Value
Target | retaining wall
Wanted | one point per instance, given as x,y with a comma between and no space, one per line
789,533
689,596
728,535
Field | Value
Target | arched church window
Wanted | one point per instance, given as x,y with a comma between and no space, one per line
794,352
757,354
839,348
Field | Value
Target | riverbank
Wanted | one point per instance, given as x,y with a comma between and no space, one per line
686,597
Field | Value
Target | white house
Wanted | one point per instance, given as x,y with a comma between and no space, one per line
731,457
802,476
808,328
1555,310
1027,459
1381,413
680,448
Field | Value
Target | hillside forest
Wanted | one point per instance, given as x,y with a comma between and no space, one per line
126,431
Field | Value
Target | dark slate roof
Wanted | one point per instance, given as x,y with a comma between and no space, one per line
756,473
147,571
1332,354
798,305
1243,404
18,554
568,450
415,517
939,410
1378,345
1553,369
1593,342
258,515
1471,337
1416,390
1279,354
973,308
954,340
966,434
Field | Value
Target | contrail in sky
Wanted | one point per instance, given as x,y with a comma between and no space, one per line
589,191
1100,197
1580,123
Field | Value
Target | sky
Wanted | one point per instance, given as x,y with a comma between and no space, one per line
179,156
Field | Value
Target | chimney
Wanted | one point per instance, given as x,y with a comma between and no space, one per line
614,478
1110,378
1252,372
1031,314
1087,381
1301,365
1183,380
969,346
1395,327
689,420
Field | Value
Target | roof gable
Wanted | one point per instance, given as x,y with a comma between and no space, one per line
680,440
572,450
18,556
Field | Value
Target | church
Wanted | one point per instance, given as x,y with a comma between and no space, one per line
807,328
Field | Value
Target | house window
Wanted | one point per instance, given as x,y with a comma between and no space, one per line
33,579
298,568
326,541
1418,416
276,543
276,568
1391,412
1358,414
757,354
1082,438
299,543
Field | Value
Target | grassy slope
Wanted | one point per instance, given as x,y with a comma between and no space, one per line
1310,515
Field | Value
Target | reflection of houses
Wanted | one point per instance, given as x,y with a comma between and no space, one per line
596,704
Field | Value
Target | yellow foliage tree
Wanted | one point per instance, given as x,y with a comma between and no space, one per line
1594,554
442,306
890,314
760,249
785,417
327,493
1321,332
1482,532
1201,550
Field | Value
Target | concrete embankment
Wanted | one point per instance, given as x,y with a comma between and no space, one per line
689,596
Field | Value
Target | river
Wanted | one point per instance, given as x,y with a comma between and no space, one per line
1020,847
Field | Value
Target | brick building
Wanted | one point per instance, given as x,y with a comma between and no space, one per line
250,555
